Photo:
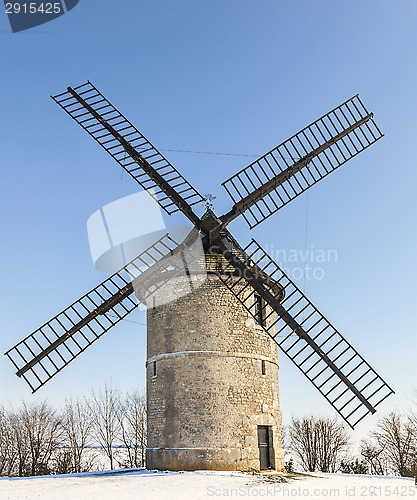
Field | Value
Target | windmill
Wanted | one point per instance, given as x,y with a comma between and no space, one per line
255,283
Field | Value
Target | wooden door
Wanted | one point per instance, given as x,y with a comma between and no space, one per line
264,446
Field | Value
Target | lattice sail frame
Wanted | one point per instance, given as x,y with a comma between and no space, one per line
273,180
46,351
302,152
109,114
317,327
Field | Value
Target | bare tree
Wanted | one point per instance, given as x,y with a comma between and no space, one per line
413,452
104,406
77,423
36,440
375,457
333,439
413,417
319,443
303,439
42,428
8,450
396,435
21,443
132,418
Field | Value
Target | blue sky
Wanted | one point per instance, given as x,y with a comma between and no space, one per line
221,76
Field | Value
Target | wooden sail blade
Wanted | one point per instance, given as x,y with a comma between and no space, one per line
134,153
345,379
285,172
46,351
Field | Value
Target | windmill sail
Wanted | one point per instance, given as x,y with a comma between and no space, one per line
282,174
90,109
50,348
313,344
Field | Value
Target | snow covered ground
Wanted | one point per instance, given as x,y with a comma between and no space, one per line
145,484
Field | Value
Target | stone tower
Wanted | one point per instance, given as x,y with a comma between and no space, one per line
212,385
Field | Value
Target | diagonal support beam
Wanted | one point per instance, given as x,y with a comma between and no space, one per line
45,351
146,166
249,200
102,309
250,277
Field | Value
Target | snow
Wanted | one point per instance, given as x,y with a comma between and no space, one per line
145,484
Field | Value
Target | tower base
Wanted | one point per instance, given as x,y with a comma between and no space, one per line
205,459
212,385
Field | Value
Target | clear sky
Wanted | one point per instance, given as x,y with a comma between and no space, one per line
221,76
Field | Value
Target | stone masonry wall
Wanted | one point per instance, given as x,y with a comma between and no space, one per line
206,391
